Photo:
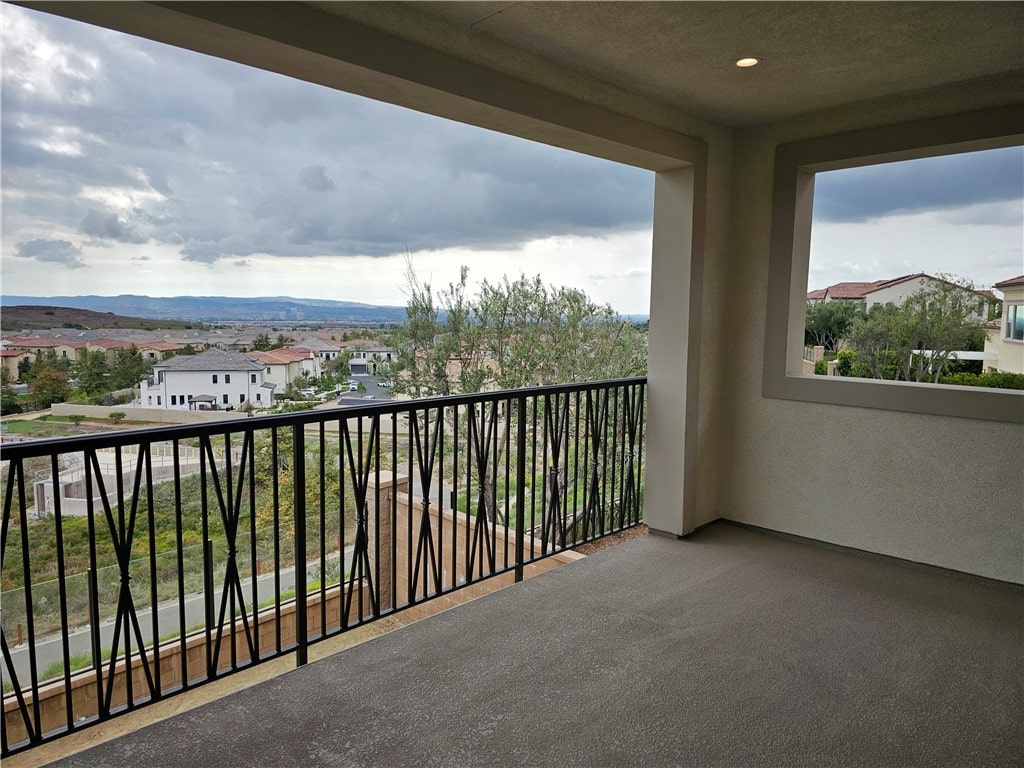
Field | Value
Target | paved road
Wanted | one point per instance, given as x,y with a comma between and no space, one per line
49,648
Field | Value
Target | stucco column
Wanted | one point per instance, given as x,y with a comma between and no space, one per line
674,349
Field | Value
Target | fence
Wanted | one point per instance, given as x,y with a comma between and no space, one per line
333,518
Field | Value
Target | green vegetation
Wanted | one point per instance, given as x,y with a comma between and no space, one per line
828,322
8,400
511,334
943,318
991,379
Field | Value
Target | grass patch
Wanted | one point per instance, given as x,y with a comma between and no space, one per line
76,662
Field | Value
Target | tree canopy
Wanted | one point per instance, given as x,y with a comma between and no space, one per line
509,334
829,321
939,320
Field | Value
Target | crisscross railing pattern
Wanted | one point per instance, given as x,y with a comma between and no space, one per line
142,563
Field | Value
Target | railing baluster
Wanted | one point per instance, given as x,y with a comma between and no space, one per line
58,522
299,502
520,484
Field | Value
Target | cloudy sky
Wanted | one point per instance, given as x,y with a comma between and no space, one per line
124,171
961,215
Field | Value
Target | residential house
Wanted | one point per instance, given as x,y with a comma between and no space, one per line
373,360
1005,336
214,379
325,350
154,351
894,291
282,366
65,349
12,359
110,347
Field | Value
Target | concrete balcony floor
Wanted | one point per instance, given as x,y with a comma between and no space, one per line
732,648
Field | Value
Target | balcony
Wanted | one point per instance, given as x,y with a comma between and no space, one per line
138,565
732,647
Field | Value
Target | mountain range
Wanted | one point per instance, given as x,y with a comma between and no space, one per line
213,309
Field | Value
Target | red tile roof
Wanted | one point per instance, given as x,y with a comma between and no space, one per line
880,284
818,294
1013,281
850,290
22,341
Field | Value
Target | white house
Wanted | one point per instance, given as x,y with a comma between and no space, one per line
1006,338
212,380
894,291
372,360
324,350
282,366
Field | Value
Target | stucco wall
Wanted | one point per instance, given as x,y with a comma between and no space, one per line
932,489
168,415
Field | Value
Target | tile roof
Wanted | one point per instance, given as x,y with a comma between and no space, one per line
294,353
161,346
110,344
214,359
41,343
818,294
1013,281
318,345
850,290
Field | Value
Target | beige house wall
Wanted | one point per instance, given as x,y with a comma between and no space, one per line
1010,351
926,488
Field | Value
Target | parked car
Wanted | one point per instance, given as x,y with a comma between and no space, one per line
308,392
353,386
383,384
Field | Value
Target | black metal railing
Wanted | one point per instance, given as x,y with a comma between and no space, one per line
142,563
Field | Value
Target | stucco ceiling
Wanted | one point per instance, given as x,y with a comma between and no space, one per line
814,55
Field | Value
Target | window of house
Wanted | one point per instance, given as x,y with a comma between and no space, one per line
252,378
158,400
225,398
797,168
174,399
258,398
241,398
1014,327
227,378
215,378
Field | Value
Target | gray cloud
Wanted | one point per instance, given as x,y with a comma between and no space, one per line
108,226
170,165
928,184
315,179
51,252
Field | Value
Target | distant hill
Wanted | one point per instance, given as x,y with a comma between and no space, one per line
214,309
43,316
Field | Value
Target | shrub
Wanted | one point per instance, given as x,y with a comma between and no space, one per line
116,416
821,368
846,358
993,379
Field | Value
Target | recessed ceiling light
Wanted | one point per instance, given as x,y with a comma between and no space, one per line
749,61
